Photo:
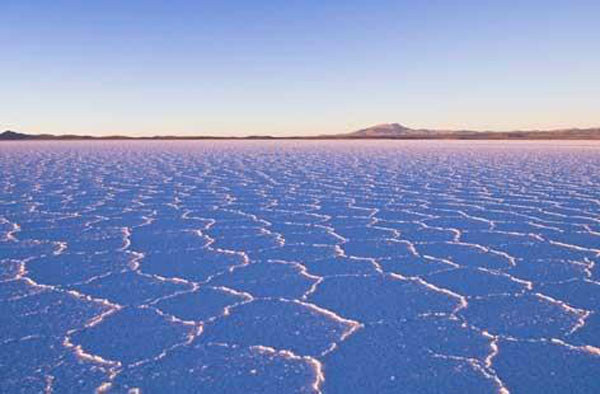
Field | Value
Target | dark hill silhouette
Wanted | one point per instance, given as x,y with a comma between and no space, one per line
13,135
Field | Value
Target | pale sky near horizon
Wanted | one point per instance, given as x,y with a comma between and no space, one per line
296,67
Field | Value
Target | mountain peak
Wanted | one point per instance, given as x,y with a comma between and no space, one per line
383,130
391,126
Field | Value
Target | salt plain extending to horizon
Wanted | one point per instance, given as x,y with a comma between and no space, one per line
300,266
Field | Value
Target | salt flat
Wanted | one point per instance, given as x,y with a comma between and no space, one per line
300,266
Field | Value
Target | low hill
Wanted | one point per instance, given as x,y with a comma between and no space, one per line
13,135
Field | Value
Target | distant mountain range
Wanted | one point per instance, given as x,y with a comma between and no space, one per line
381,131
397,131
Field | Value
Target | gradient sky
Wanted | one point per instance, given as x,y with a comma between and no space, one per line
296,67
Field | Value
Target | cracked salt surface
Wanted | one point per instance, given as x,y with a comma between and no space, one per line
309,267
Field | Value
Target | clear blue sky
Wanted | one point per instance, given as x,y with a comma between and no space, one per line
296,67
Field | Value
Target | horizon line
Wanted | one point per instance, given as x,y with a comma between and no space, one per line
380,131
309,135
